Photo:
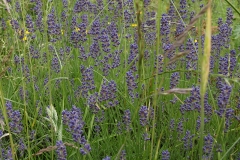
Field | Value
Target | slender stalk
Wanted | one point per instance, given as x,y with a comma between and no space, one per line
156,82
205,72
140,10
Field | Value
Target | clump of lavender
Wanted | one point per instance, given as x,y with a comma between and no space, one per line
100,5
229,19
187,140
21,147
127,119
64,16
29,24
150,38
80,6
61,151
94,49
165,155
34,52
54,29
179,28
3,24
192,57
38,7
228,116
143,114
92,8
108,93
128,19
110,5
85,149
65,3
208,146
131,83
17,7
198,122
233,62
123,155
98,120
95,29
174,80
132,56
92,101
78,34
83,56
171,12
207,107
165,28
55,65
150,23
172,125
75,38
146,3
159,63
225,30
183,10
87,80
26,72
149,35
116,59
15,118
82,31
223,65
73,22
106,66
180,128
113,32
223,98
7,154
15,25
73,119
33,132
146,136
192,102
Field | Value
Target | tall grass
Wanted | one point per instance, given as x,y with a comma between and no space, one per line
205,67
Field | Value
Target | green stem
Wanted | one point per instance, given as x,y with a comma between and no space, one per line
233,7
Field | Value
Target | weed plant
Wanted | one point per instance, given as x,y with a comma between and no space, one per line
119,79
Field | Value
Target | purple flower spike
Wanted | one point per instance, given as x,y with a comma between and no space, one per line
61,151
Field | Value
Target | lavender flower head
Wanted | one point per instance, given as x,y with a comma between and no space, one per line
15,118
61,151
223,98
29,23
73,119
87,80
127,119
165,155
143,114
187,140
208,145
174,80
131,83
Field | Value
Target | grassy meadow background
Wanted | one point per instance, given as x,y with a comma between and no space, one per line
120,79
